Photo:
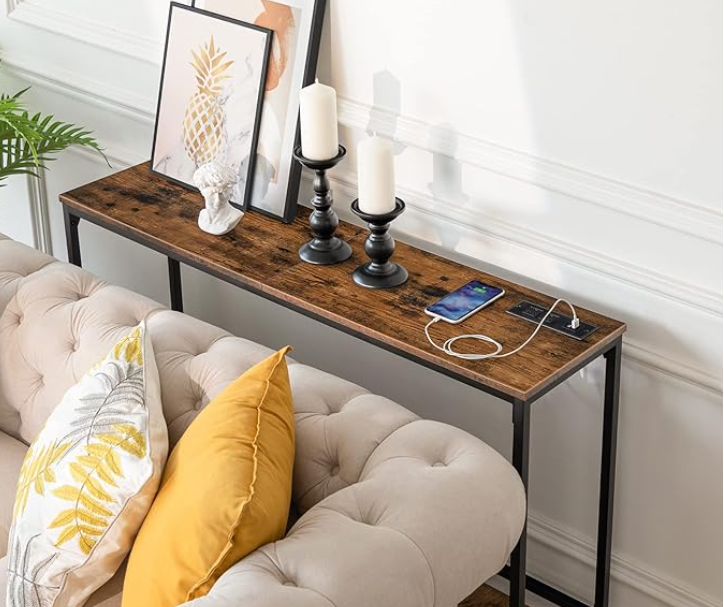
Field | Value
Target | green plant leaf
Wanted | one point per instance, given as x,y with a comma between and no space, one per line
28,143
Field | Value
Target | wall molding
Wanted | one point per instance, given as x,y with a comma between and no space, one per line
91,92
119,157
625,571
674,369
653,207
39,217
84,30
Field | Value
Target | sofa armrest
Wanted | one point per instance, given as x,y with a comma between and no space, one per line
435,513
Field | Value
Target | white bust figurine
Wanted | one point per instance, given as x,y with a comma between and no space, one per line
215,181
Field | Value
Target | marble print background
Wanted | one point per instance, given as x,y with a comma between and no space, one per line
290,20
208,106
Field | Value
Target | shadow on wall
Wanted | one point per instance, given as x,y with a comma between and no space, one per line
447,195
447,178
446,182
446,188
386,108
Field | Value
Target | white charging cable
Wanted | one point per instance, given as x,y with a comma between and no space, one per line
447,347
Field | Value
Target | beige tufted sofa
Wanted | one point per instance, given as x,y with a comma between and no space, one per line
394,511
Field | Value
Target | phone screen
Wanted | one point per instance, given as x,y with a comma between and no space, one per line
465,300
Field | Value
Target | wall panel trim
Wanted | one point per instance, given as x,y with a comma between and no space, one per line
87,31
674,369
628,572
86,90
698,220
692,218
39,217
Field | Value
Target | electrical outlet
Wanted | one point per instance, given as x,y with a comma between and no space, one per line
556,321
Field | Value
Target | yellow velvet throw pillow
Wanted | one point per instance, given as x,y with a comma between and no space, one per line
225,492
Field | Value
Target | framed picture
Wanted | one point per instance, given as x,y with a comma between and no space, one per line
297,27
211,96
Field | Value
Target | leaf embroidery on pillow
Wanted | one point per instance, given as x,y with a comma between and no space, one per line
37,470
106,423
131,348
24,573
102,411
122,389
93,470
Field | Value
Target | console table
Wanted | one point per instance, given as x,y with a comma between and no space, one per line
260,255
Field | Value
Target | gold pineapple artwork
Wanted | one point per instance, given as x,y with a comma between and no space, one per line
203,129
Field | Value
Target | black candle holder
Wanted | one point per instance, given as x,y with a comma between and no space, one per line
325,249
380,273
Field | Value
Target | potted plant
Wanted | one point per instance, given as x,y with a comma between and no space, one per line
28,142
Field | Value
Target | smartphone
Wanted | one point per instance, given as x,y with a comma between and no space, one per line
463,303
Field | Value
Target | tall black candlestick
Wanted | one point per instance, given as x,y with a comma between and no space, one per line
325,248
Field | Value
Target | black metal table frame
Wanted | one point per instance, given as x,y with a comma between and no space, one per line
516,571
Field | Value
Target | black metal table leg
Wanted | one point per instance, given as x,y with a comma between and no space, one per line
174,282
608,474
521,443
72,239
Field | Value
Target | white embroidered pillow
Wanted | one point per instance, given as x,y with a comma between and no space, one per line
88,480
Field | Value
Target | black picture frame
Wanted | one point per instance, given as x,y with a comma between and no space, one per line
244,204
318,12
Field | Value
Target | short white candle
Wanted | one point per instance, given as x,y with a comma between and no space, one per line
318,119
376,176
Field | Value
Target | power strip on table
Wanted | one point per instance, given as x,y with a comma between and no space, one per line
557,322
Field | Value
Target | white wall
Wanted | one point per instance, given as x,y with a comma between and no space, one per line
564,143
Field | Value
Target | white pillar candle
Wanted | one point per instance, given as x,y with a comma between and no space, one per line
376,176
318,118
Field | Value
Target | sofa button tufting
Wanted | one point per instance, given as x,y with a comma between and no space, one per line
334,471
439,465
289,583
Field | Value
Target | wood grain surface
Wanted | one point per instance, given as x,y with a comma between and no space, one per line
485,596
261,255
